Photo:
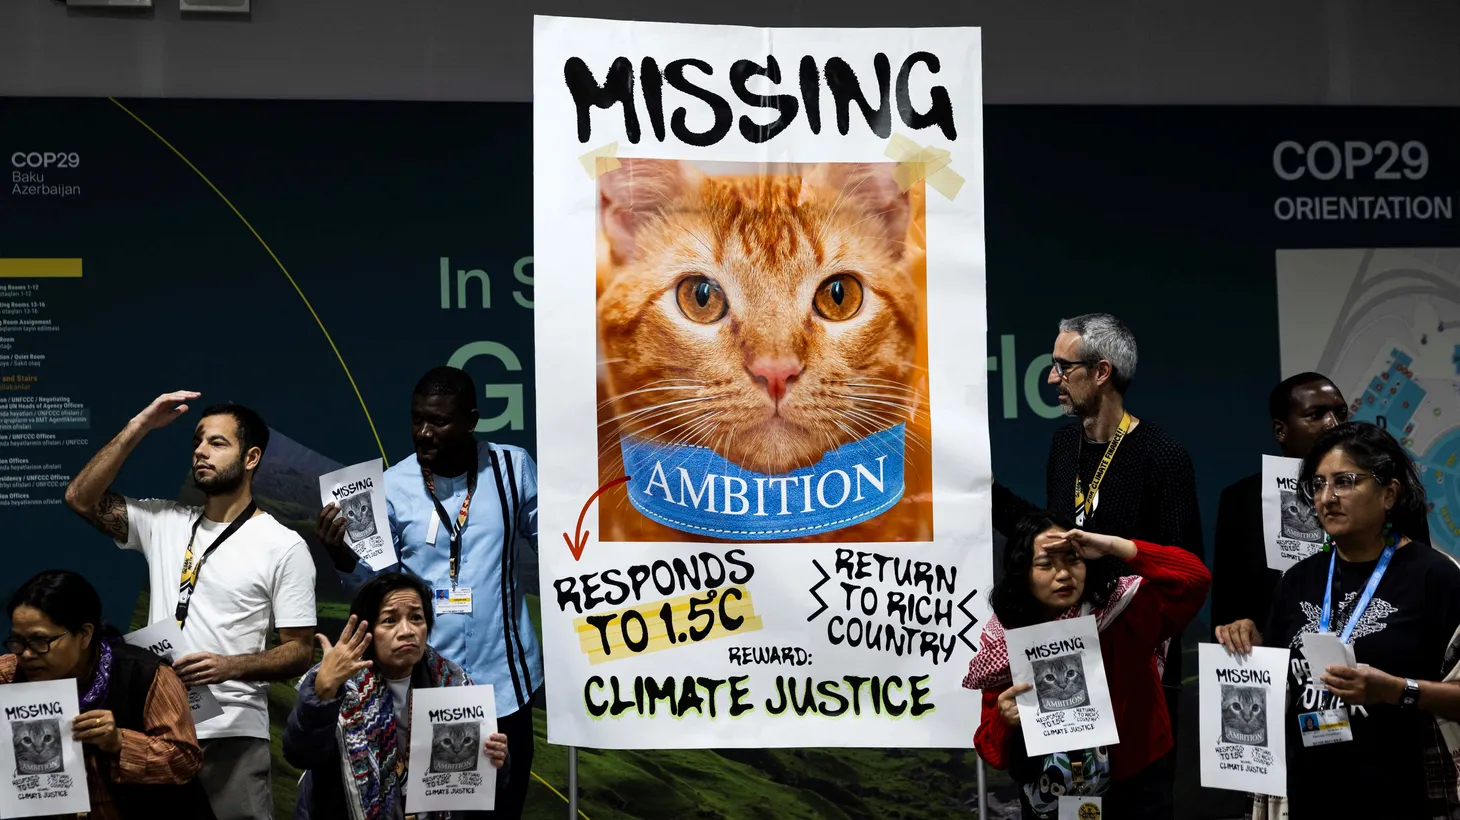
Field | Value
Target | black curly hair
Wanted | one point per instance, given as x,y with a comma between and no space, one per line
1374,450
1011,597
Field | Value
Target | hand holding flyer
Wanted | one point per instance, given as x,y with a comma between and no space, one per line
1242,711
1322,650
1069,706
449,766
41,762
359,492
165,640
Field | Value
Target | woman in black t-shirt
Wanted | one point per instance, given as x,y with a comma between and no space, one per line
1369,499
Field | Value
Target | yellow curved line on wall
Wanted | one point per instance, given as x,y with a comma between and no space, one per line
274,257
312,312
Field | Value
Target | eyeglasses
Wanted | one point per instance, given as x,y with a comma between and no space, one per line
1342,484
38,646
1062,367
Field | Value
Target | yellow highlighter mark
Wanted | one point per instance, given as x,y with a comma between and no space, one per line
650,627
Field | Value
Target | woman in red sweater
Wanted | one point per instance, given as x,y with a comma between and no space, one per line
1052,573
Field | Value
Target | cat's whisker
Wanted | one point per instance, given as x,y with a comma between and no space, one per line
709,248
648,433
908,401
885,241
656,408
869,218
643,390
688,435
842,196
912,441
913,410
641,430
880,384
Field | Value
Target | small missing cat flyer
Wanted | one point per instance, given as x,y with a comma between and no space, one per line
42,768
165,640
1069,706
1290,527
359,492
1242,736
449,769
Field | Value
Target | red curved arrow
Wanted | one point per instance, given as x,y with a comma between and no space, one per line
580,538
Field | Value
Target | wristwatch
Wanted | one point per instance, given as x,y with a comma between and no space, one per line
1409,698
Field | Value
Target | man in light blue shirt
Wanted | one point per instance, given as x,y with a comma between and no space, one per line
448,503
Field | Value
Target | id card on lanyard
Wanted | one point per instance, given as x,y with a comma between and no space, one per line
1085,500
1320,728
191,572
453,528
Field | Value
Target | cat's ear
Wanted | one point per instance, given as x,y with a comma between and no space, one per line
635,194
870,188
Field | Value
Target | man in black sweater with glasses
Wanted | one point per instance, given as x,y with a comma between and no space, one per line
1110,471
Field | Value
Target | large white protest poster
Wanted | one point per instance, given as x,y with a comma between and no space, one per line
359,492
1289,524
448,767
1242,741
41,769
165,640
759,278
1069,706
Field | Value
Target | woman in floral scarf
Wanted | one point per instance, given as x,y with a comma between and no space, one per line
136,728
350,728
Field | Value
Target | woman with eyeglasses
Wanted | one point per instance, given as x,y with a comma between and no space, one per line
140,749
1396,602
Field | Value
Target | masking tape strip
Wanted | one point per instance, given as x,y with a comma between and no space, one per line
600,161
928,164
730,603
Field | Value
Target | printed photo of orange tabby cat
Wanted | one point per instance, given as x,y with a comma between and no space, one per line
762,353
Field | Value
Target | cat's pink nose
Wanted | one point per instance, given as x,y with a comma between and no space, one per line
775,375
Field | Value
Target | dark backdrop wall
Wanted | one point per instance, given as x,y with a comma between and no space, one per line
391,237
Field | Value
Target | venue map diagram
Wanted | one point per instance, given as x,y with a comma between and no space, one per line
1384,324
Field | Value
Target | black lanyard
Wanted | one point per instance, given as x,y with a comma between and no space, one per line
190,579
453,528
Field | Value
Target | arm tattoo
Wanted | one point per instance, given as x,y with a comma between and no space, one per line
110,516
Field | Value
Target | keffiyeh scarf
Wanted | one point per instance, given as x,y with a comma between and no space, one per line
989,669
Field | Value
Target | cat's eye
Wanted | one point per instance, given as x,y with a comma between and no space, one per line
701,300
839,298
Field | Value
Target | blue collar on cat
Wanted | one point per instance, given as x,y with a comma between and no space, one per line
695,490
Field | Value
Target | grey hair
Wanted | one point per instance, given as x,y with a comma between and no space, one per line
1104,337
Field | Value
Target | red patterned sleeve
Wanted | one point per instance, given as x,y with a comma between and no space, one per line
168,751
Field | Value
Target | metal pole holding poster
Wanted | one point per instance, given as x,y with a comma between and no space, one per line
573,782
983,794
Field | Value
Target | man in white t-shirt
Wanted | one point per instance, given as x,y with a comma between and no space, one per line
229,572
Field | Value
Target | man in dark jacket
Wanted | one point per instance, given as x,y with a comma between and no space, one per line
1301,408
